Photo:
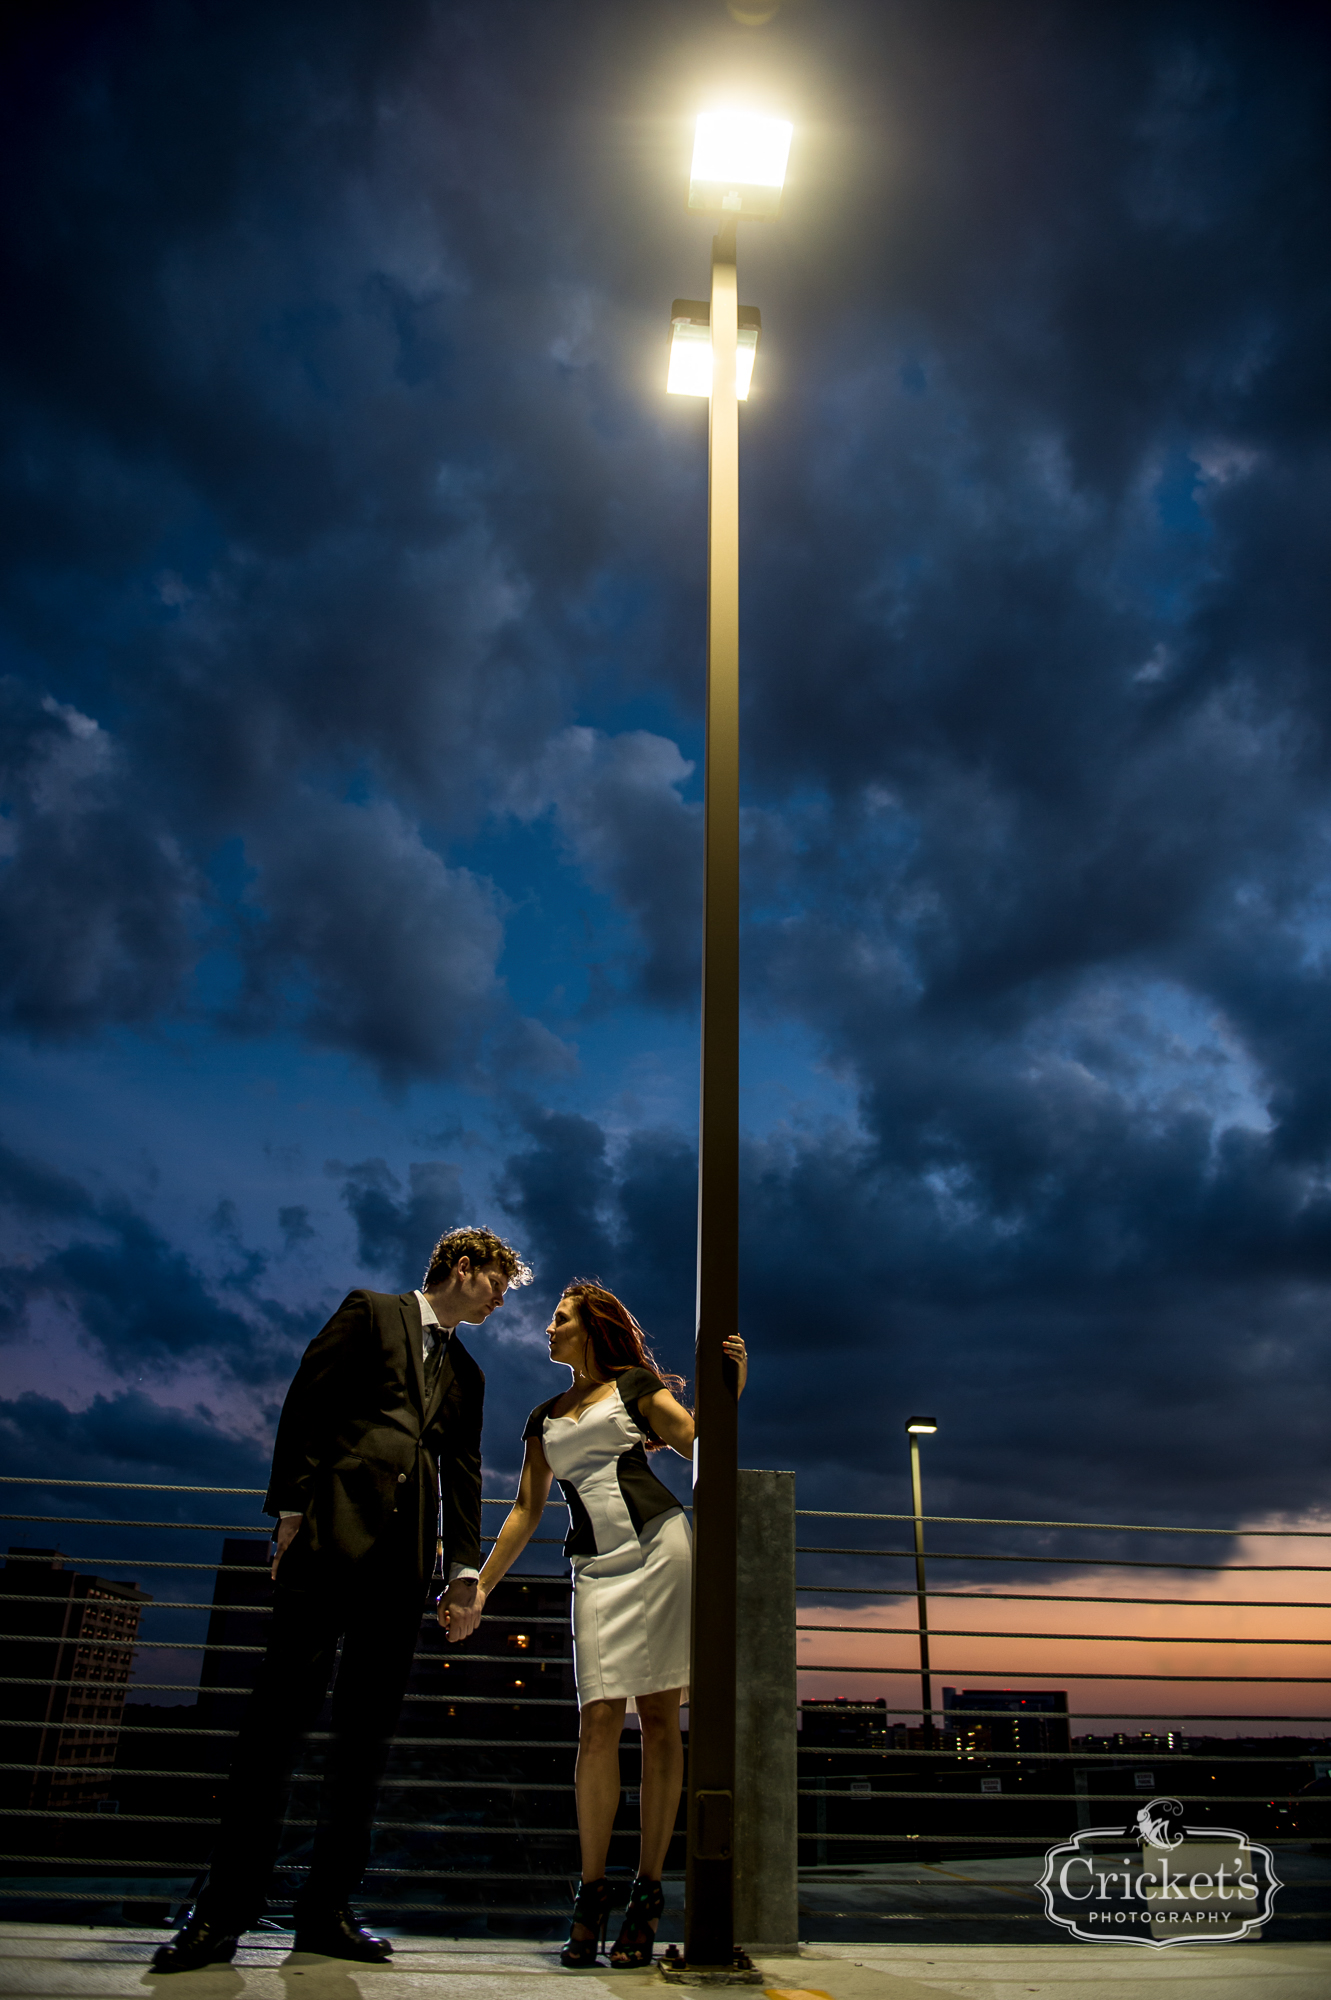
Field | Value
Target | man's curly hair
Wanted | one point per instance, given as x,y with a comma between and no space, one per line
483,1247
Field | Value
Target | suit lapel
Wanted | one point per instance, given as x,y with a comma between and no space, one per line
411,1321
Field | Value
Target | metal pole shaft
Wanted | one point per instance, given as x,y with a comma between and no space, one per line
921,1595
709,1915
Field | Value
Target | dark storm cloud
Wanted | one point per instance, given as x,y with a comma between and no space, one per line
625,1214
558,1190
140,1302
125,1436
1052,892
1073,1342
96,897
617,804
1066,283
32,1189
294,1223
1054,575
340,526
370,942
331,461
657,1195
623,1211
396,1235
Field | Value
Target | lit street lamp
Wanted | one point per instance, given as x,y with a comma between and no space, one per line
739,167
916,1428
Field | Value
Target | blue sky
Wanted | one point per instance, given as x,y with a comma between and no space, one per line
351,674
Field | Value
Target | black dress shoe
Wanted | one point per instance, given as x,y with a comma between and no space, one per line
200,1941
336,1934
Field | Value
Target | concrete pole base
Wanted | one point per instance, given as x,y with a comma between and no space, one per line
766,1716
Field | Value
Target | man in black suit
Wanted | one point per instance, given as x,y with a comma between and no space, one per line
376,1476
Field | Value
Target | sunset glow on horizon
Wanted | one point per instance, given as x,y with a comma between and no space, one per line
1228,1636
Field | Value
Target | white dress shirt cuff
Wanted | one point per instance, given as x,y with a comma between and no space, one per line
460,1573
289,1514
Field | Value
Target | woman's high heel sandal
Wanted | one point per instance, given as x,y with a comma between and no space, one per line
591,1909
637,1933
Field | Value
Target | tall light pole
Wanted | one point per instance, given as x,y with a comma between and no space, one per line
739,165
916,1428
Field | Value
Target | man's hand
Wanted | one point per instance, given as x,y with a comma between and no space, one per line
287,1530
460,1610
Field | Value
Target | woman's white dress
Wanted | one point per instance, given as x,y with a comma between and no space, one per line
629,1544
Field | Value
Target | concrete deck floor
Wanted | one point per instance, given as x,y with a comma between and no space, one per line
62,1962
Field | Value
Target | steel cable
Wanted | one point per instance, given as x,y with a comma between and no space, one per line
1112,1527
1074,1562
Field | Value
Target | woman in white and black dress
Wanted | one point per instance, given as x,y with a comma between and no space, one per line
630,1547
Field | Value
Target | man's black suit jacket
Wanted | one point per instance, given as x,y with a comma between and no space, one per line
356,1437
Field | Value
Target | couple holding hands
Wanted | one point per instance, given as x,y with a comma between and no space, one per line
376,1478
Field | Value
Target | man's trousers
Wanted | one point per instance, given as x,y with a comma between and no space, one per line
375,1609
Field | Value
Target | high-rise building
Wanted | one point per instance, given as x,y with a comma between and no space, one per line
1033,1721
66,1653
844,1724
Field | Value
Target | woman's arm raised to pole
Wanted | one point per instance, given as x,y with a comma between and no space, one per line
672,1423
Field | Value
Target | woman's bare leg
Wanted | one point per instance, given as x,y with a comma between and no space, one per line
596,1785
662,1777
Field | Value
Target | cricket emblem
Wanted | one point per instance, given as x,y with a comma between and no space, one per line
1160,1823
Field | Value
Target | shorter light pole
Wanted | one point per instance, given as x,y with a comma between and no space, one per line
916,1428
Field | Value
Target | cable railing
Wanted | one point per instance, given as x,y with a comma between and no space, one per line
461,1844
984,1761
132,1736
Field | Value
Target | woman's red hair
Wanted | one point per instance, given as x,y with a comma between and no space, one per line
617,1341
